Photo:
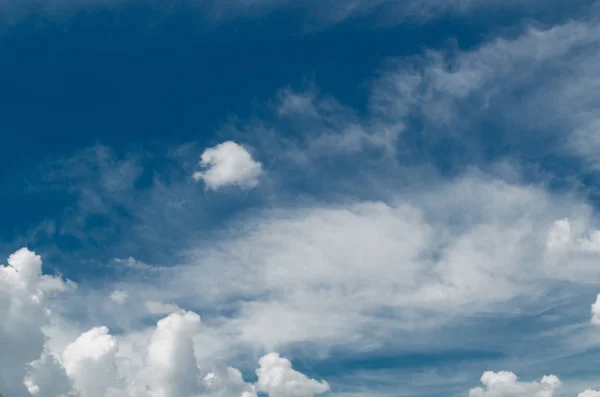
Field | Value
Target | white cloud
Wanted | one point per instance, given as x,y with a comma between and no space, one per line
277,378
506,384
288,270
229,164
171,361
90,363
589,393
24,294
228,383
119,296
151,362
573,248
46,377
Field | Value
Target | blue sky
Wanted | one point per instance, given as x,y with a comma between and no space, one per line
299,198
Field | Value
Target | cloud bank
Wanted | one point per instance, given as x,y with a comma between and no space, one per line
98,364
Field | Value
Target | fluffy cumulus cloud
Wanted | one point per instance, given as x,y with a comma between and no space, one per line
505,384
228,164
24,293
91,354
277,378
589,393
228,382
97,364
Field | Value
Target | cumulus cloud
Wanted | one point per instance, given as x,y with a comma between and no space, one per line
171,359
589,393
572,248
91,355
504,384
46,377
24,295
159,361
228,383
228,164
277,378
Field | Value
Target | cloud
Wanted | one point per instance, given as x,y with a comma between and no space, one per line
228,164
589,393
228,383
24,294
302,271
90,355
46,377
154,307
277,378
119,296
315,14
596,311
504,384
156,362
573,248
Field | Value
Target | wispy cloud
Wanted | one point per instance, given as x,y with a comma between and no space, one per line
314,14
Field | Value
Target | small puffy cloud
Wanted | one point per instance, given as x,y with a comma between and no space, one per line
596,311
277,378
119,296
589,393
507,384
228,164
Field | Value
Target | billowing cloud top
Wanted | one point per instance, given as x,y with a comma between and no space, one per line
228,164
98,364
498,384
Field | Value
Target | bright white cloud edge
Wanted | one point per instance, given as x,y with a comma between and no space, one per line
228,164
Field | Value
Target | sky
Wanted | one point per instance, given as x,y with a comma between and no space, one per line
299,198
